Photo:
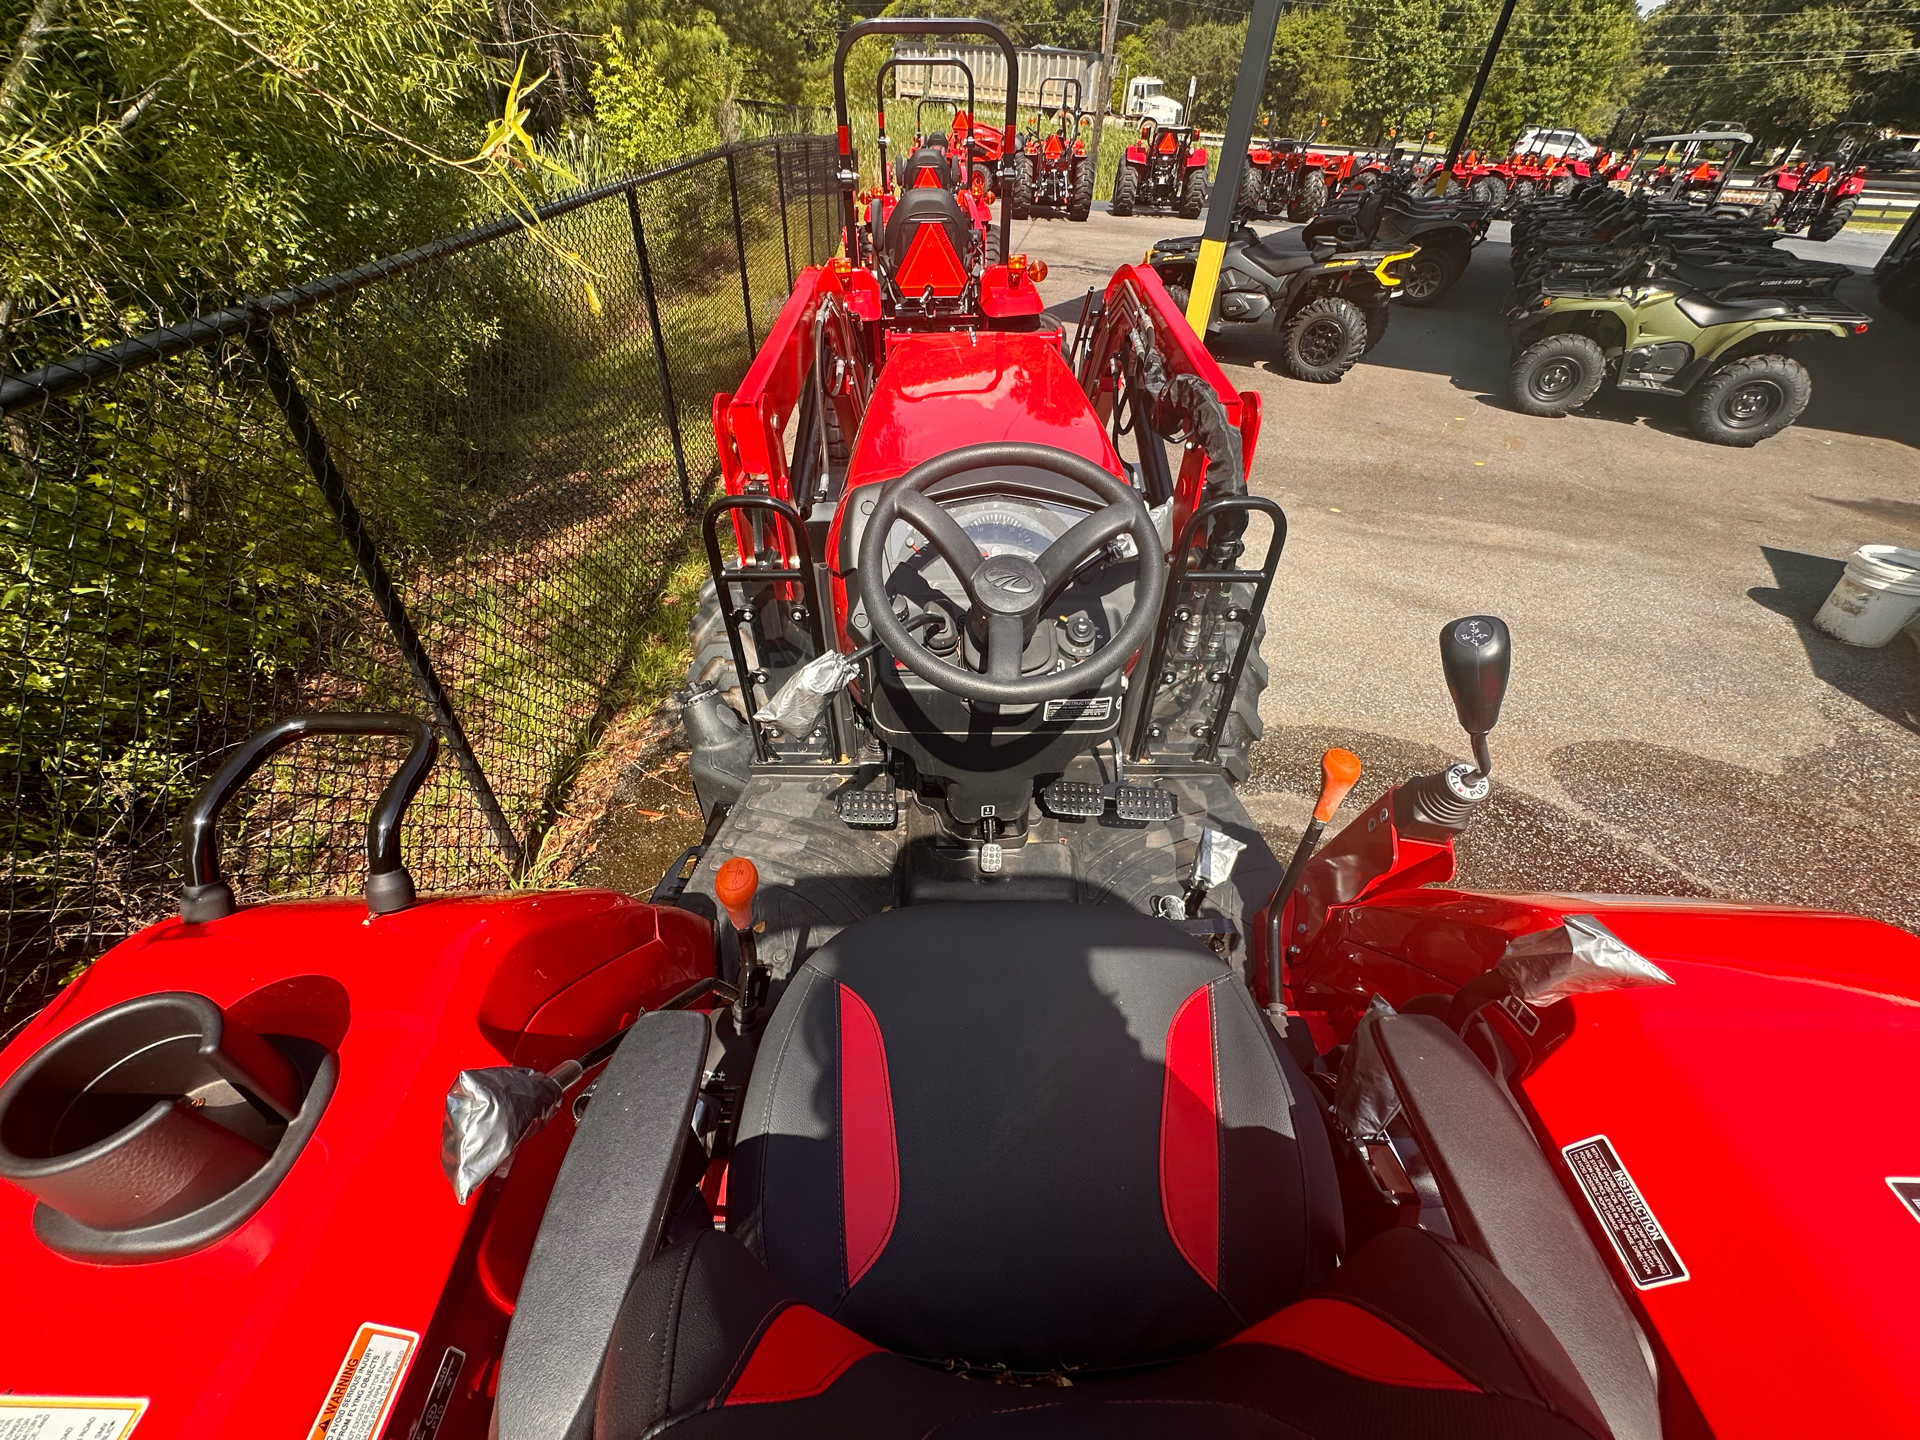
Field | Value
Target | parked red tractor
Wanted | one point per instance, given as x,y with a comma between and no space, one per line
1058,172
1165,169
1287,177
1818,193
982,1072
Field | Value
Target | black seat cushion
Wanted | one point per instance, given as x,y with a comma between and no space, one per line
927,206
1414,1338
1275,258
927,157
1031,1136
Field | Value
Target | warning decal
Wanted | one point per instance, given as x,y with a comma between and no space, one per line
1636,1235
1908,1189
1100,707
363,1392
68,1417
444,1379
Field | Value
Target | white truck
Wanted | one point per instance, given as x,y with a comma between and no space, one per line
1147,99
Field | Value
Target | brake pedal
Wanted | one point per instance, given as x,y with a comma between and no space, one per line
1076,798
868,809
1142,802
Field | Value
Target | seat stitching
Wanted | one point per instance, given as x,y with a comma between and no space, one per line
1541,1396
670,1332
766,1109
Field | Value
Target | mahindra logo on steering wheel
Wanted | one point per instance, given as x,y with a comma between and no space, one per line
1011,578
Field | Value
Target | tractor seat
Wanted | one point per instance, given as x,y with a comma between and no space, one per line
926,206
1053,1144
927,157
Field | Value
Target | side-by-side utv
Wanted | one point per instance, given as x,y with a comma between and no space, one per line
982,1072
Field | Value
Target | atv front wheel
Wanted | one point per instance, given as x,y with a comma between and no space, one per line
1744,401
1832,220
1193,194
1555,375
1080,201
1311,198
1324,340
1126,188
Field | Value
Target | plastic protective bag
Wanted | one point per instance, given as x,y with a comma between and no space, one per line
1215,860
1364,1098
489,1113
797,706
1576,957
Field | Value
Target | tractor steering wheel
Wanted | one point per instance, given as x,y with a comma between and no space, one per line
1008,593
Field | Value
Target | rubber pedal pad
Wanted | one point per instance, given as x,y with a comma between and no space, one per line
1142,802
867,809
1075,797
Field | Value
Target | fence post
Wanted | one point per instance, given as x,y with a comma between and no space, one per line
780,188
313,447
740,248
659,349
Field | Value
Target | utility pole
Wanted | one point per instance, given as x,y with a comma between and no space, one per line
1473,100
1103,86
1218,222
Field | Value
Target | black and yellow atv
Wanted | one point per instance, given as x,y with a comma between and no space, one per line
1327,306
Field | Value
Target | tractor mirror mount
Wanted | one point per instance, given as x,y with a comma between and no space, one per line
1476,655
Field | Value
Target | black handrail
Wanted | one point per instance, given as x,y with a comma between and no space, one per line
206,896
905,25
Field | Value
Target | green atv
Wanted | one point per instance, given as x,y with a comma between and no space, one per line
1717,333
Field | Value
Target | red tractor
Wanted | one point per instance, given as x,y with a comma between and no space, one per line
1818,194
1058,172
1286,177
982,1072
1165,169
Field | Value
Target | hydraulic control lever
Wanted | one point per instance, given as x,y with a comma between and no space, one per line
734,885
1476,655
1339,773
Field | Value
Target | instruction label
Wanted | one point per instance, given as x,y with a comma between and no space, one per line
1642,1245
1908,1189
1099,707
68,1417
363,1392
444,1379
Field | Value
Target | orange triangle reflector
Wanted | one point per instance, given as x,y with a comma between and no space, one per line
927,179
931,261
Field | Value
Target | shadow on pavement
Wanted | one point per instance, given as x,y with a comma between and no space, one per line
1886,681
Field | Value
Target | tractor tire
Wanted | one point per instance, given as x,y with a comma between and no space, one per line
1193,194
1561,187
1832,220
1080,202
1523,194
1180,295
994,257
1496,192
1311,198
1428,276
712,662
1250,200
1324,339
1768,210
1742,402
1378,314
984,174
1556,375
1481,192
1019,194
1126,189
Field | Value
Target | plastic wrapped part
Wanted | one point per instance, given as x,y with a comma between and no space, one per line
797,706
1576,957
1364,1098
1215,861
489,1113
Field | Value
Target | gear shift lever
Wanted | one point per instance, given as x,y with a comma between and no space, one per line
734,885
1476,655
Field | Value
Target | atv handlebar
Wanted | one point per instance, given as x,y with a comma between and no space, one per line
904,25
1009,594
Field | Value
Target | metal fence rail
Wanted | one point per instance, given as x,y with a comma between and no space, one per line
452,481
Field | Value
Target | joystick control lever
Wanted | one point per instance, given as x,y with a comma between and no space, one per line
734,886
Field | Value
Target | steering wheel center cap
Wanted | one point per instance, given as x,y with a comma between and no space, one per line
1008,585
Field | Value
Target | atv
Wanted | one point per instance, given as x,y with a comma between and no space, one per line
981,1071
1818,195
1165,170
1328,308
1716,328
1897,272
1057,171
1386,215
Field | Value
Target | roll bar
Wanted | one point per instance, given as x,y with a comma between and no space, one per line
1069,93
880,102
849,176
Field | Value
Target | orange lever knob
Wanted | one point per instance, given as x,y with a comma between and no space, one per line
1339,773
734,885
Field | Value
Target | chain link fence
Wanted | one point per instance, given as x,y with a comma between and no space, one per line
450,483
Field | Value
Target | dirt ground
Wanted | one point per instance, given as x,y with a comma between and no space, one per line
1675,725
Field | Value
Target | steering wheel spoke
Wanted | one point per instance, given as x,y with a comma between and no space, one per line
1006,643
943,532
1064,557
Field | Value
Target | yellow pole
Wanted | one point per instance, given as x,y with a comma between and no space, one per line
1206,275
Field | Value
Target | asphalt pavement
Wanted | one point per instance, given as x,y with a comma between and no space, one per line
1675,724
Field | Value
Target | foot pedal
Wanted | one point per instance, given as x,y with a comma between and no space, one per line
1142,802
1075,797
868,809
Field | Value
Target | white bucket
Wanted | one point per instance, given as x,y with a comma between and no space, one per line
1878,593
